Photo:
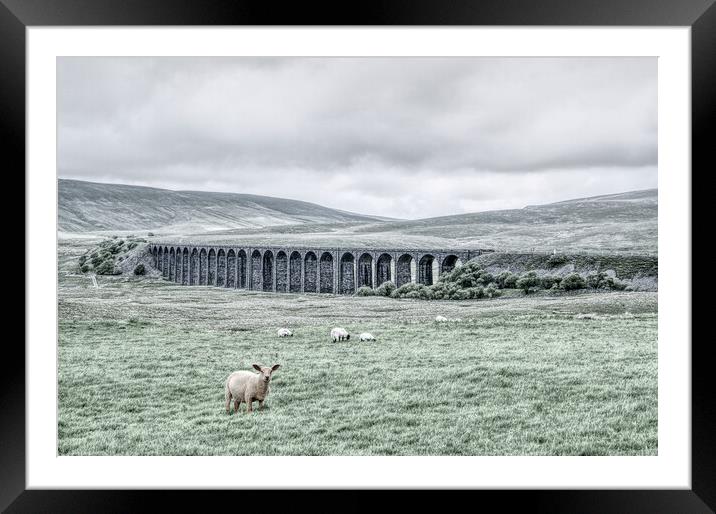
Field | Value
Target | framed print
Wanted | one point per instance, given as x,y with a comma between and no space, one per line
422,248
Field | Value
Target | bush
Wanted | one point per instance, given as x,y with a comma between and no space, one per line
596,280
572,282
491,291
614,284
528,282
548,282
150,234
385,289
556,260
506,280
414,291
106,268
365,291
468,275
139,270
84,268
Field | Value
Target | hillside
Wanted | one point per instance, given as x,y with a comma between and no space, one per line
89,206
626,223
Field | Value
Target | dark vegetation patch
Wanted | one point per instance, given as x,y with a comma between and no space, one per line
104,259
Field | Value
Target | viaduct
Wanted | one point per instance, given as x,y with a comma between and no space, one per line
302,270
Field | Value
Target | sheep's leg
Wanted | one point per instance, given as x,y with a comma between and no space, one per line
237,404
261,405
249,405
228,405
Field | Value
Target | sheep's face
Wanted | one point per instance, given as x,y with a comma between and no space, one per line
266,371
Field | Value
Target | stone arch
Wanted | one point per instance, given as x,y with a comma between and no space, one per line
220,267
241,269
185,267
404,273
294,272
310,274
172,265
425,269
325,274
203,266
365,270
231,268
346,280
211,268
177,268
165,265
449,263
256,270
267,271
281,272
383,269
194,275
155,255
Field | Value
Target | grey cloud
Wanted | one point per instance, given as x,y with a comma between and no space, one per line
366,126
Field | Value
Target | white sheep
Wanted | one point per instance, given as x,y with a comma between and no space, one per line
284,332
440,319
247,387
340,334
365,336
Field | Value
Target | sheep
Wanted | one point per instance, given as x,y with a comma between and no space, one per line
340,334
440,319
247,387
284,332
365,336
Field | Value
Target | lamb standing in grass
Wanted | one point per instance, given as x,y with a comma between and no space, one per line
247,387
284,332
340,334
440,319
365,336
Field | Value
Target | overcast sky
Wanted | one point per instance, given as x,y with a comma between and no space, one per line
398,137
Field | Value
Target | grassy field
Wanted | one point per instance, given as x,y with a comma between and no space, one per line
142,364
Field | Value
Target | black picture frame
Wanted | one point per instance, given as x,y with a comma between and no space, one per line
700,15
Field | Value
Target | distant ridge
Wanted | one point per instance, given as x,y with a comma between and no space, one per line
91,206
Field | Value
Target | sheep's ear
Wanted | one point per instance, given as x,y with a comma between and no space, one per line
256,367
275,367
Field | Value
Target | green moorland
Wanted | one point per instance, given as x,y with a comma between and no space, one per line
142,364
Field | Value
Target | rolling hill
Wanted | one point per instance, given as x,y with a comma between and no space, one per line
94,207
625,223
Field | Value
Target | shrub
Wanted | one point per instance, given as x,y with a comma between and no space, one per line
506,280
468,275
83,259
150,234
106,268
596,280
556,260
548,282
528,282
614,284
415,291
491,291
572,281
385,289
365,291
139,270
84,268
131,245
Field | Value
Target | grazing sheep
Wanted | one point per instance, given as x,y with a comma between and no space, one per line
284,332
340,334
440,319
365,336
247,387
